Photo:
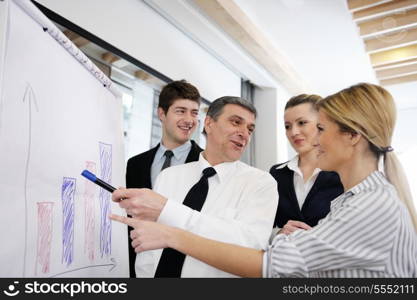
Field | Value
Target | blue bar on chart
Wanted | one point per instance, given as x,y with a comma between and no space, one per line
68,214
105,201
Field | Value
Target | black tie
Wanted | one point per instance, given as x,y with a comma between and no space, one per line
171,262
168,155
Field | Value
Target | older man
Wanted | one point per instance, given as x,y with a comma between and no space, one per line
217,196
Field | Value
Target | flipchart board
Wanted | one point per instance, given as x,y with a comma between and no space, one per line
59,115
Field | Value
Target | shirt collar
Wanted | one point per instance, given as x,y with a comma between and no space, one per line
373,179
178,152
223,170
293,165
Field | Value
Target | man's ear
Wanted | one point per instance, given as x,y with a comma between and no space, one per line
161,114
208,122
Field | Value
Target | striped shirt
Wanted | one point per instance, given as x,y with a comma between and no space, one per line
368,233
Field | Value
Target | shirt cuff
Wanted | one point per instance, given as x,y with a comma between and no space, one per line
175,214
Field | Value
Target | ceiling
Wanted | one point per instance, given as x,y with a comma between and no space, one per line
330,44
326,45
318,37
389,31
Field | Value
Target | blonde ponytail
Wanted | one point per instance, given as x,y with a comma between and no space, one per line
396,175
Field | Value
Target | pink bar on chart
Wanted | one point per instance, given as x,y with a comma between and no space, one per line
43,256
89,230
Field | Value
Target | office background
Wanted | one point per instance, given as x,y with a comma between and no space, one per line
266,51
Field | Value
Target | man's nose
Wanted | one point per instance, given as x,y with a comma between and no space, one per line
190,119
244,133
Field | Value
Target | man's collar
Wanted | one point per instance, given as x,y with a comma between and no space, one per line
223,170
177,151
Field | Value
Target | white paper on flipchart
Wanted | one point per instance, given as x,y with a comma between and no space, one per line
54,116
4,10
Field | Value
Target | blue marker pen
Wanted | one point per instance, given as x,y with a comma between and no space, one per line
90,176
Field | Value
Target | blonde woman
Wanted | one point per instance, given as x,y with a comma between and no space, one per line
371,228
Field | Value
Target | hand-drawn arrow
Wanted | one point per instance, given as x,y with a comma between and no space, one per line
28,97
113,265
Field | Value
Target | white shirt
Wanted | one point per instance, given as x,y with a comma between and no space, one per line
239,209
368,233
301,187
179,158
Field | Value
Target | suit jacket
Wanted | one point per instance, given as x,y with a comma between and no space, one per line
138,175
317,203
138,171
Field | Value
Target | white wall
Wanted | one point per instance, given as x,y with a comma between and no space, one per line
270,139
405,94
405,138
136,29
187,16
405,145
140,121
319,38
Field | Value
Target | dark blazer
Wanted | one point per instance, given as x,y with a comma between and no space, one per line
317,203
138,175
138,171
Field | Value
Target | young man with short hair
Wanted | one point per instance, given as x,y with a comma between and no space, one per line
178,108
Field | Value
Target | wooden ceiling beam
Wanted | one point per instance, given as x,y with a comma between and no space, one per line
78,40
109,57
398,80
389,40
396,71
384,9
233,20
394,55
388,23
142,75
354,5
396,64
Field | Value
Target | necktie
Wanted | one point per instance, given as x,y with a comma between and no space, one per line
168,155
171,262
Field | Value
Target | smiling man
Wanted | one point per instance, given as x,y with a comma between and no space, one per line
178,106
217,196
